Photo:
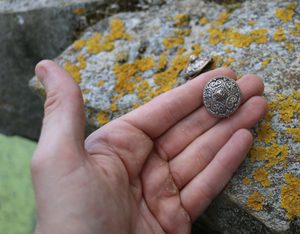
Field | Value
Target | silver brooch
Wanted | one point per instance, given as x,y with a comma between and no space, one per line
196,65
221,96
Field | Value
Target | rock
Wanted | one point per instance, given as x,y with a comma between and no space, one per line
124,61
30,31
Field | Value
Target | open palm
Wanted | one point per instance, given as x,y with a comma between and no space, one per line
154,170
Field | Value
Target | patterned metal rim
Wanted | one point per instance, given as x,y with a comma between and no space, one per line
221,96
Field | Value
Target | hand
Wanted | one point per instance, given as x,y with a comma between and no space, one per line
153,170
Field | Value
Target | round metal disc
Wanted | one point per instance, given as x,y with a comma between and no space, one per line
221,96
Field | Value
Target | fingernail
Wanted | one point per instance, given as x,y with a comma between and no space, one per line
40,72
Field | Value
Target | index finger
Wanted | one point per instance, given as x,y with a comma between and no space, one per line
157,116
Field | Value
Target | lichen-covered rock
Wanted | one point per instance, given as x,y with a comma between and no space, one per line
127,59
30,31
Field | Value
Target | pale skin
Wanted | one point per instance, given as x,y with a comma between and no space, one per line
153,170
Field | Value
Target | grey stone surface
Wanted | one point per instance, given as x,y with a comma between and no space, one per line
126,65
30,31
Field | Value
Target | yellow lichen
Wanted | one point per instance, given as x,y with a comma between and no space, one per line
117,31
228,61
100,83
295,33
295,132
223,17
227,50
102,118
290,196
266,133
181,20
144,64
196,49
266,62
255,201
73,70
232,37
287,107
114,107
279,35
271,155
81,61
163,61
285,14
259,36
203,21
290,46
171,42
77,45
246,181
261,175
79,11
297,25
183,32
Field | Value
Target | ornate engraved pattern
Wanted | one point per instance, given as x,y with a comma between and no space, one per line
196,65
221,96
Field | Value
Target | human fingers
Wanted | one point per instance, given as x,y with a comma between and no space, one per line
198,194
203,149
63,124
157,116
185,131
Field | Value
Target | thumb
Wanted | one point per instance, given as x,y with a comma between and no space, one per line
63,124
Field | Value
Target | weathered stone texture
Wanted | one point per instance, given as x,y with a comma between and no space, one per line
125,60
30,31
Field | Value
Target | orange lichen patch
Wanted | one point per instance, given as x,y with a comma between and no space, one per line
100,83
279,35
255,201
96,43
143,89
182,32
266,62
124,73
217,60
246,181
266,133
295,132
73,70
114,107
180,50
181,20
163,61
290,46
228,61
227,50
290,196
102,118
81,61
171,42
259,36
229,36
196,49
78,44
272,155
203,21
79,11
223,17
216,35
167,79
238,39
117,31
144,64
295,33
261,175
297,25
286,14
287,107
